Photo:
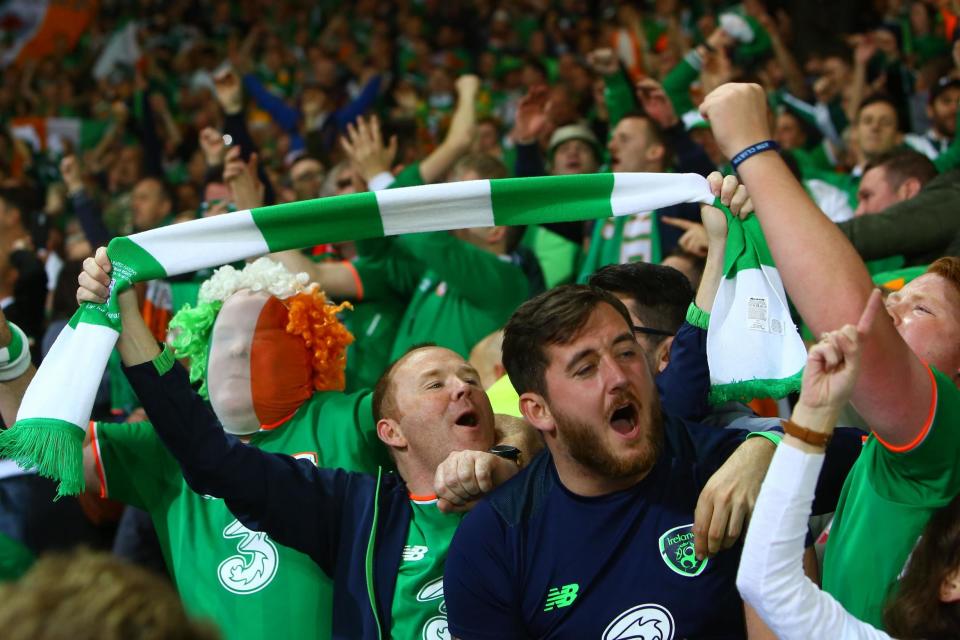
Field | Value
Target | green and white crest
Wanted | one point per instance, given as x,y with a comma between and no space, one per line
676,549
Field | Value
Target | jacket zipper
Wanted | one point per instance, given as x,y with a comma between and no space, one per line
369,557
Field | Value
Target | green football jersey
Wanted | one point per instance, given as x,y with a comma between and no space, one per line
419,610
242,580
464,293
886,502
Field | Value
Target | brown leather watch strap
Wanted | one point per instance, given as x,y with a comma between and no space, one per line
814,438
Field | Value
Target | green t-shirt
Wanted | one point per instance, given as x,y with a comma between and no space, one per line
558,256
419,610
463,295
374,328
885,504
242,580
633,238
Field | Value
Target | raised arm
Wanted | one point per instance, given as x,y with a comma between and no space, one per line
771,576
292,501
821,271
460,134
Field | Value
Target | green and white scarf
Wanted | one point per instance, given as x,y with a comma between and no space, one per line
55,410
753,348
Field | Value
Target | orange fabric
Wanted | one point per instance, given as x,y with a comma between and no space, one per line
925,429
281,378
764,407
63,23
95,447
896,284
157,319
949,23
428,498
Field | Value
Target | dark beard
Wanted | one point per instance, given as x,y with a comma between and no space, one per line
587,449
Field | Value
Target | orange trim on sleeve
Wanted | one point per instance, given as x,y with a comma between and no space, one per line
428,498
925,429
356,279
95,445
274,425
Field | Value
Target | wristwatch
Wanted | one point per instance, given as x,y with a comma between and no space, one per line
507,452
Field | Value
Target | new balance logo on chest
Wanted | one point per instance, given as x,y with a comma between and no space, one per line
560,597
414,552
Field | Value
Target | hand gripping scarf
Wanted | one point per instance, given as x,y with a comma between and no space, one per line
49,431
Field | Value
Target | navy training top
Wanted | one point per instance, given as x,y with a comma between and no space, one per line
535,560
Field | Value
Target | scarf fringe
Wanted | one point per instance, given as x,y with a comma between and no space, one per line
53,447
747,390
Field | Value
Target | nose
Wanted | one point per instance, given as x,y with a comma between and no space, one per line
895,313
458,387
613,374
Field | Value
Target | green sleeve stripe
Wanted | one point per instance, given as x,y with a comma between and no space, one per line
773,436
15,348
164,362
698,317
15,357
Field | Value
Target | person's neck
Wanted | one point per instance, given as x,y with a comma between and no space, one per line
419,480
587,482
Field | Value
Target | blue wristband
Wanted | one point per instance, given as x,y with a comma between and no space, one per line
752,150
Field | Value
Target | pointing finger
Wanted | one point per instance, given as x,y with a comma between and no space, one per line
869,312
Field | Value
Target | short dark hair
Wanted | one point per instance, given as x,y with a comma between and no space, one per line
902,164
383,400
879,98
662,294
493,121
553,317
166,191
656,133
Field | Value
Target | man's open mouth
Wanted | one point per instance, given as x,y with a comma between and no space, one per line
624,419
468,419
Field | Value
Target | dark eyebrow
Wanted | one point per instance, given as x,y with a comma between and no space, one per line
572,362
625,337
577,357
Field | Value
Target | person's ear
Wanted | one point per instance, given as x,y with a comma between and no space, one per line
534,408
950,587
496,234
388,430
909,188
656,152
663,355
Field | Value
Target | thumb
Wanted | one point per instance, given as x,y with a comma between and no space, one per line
253,162
869,312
